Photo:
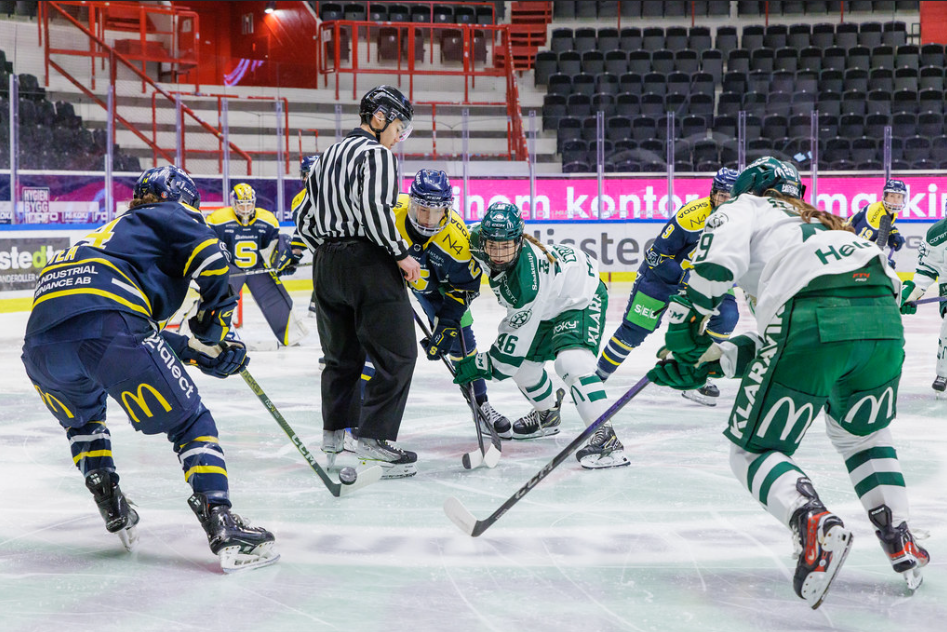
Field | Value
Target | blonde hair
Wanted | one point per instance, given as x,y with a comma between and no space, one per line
150,198
808,212
541,246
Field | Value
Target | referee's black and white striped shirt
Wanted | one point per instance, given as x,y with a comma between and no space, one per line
353,188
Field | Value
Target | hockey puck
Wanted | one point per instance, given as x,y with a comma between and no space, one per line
348,475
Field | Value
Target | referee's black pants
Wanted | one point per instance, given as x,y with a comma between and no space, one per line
362,307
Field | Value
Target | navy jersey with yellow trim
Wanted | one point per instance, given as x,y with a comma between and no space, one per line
301,204
667,258
446,264
245,243
141,262
867,222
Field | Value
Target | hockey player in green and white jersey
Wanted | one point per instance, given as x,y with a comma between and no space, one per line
931,264
830,337
555,305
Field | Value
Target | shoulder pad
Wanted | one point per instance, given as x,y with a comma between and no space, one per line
404,200
454,239
692,215
266,217
222,216
299,198
874,213
937,234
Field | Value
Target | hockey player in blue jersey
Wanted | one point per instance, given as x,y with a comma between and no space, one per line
93,332
877,218
662,274
300,204
252,237
450,277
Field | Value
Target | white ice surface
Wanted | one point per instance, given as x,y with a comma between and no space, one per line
671,543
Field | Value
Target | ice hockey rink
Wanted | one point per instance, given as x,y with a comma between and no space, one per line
672,542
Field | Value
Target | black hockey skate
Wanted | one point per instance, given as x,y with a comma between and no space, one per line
395,462
540,424
706,394
238,545
822,543
905,555
939,385
500,423
603,450
116,510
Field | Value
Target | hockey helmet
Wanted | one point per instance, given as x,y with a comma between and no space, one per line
895,187
305,166
431,200
243,201
392,104
169,184
769,174
722,184
501,236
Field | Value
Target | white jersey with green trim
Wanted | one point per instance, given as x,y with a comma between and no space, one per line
534,291
763,245
931,257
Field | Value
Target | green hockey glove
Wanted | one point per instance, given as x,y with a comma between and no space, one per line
473,368
683,377
685,337
907,301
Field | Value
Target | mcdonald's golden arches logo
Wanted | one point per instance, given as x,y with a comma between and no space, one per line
139,398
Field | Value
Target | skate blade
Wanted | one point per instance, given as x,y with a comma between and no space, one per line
601,463
542,432
913,578
129,538
838,541
392,471
700,398
232,560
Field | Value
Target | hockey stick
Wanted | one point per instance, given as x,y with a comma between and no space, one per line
933,299
362,479
265,271
469,524
884,230
491,456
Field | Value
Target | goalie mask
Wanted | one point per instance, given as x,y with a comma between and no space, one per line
893,196
243,201
501,236
431,201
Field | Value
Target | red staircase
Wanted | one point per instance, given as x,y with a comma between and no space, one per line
528,22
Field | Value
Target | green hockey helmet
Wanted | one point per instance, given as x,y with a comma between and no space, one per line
501,236
769,174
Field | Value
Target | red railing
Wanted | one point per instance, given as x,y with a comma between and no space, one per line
99,49
219,152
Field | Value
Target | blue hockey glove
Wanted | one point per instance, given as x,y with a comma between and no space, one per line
441,340
896,241
473,368
210,326
220,360
683,377
684,337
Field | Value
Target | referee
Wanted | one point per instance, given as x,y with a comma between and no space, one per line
362,306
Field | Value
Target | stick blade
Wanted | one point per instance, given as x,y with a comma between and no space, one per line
460,516
365,478
492,457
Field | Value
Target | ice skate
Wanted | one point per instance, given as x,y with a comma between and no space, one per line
350,444
821,544
500,423
395,462
120,518
540,424
906,557
238,545
939,386
603,450
706,394
333,442
322,363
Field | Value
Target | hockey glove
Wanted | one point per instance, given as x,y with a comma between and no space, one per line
221,360
685,337
210,326
943,305
286,261
896,241
682,376
473,368
908,291
441,340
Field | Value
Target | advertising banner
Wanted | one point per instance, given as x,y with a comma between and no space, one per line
22,259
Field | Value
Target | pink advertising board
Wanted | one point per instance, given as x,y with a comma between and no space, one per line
627,198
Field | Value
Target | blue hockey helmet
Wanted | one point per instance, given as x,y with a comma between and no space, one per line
168,184
431,200
305,166
501,236
894,186
722,183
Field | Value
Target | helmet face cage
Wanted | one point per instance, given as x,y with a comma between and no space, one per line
722,184
501,236
431,201
243,201
894,187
